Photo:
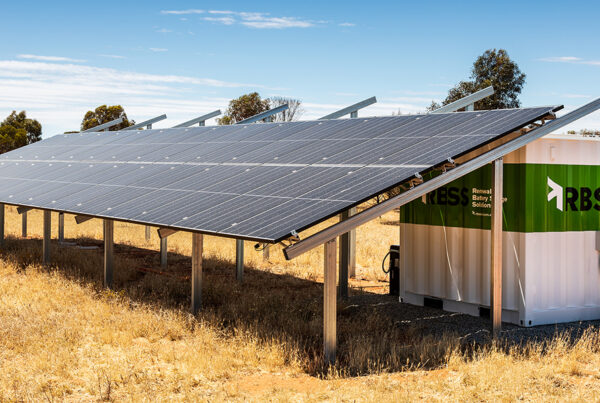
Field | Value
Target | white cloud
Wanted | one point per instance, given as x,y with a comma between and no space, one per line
347,24
222,20
570,59
49,58
560,59
163,30
249,19
182,12
113,56
158,49
58,94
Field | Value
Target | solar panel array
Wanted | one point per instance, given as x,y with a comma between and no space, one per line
257,181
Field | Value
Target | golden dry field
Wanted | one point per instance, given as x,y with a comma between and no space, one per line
64,337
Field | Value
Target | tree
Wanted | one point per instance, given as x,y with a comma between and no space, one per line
244,107
104,114
495,68
11,138
32,127
293,112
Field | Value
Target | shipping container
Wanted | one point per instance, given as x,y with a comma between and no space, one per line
551,217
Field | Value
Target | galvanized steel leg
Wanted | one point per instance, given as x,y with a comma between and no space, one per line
163,253
61,227
347,263
196,273
1,224
24,224
330,301
47,236
239,260
265,252
109,252
496,255
148,232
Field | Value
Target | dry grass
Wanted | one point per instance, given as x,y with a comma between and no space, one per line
62,337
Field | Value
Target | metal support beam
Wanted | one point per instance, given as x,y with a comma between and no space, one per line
104,126
61,227
239,260
80,219
109,252
196,303
367,215
347,262
496,255
266,252
148,229
466,101
165,232
146,123
352,110
23,210
2,224
163,253
200,120
24,225
47,236
263,115
330,301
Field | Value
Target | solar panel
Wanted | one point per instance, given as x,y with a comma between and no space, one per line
259,181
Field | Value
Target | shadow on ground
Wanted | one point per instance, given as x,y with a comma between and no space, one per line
375,331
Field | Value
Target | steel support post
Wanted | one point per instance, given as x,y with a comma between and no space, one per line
347,263
470,107
2,224
61,227
196,302
354,114
239,260
24,224
496,253
266,251
109,252
163,253
47,236
148,229
329,301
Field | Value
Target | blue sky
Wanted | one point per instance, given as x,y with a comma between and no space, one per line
60,59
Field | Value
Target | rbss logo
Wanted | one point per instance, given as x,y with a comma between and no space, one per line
576,199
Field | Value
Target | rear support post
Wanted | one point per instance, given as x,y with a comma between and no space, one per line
109,253
347,252
329,301
196,273
148,229
496,253
266,252
1,224
163,253
61,227
47,236
239,260
24,224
